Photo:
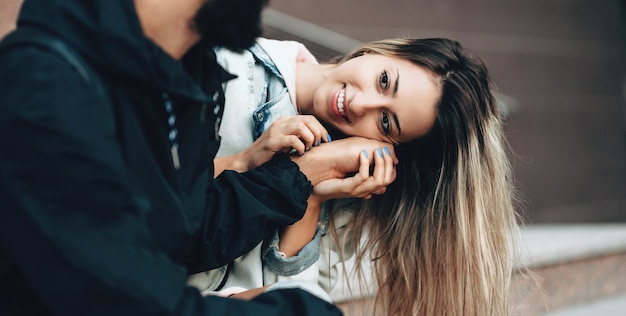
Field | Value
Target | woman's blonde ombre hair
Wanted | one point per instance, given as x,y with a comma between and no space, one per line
440,240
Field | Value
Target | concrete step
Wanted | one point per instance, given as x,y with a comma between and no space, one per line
575,270
573,265
614,306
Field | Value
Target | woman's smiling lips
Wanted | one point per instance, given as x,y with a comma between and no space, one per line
338,104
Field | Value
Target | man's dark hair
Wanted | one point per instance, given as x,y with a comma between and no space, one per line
233,24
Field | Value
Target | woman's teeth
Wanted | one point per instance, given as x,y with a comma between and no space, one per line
340,105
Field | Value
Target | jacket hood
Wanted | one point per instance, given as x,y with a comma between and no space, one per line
108,34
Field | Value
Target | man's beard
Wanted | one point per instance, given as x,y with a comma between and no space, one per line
233,24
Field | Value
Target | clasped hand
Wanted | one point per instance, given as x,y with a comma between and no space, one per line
296,134
337,169
341,168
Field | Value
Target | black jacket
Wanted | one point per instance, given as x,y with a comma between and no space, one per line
95,219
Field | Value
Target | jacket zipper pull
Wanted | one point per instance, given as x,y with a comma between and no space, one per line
171,121
175,159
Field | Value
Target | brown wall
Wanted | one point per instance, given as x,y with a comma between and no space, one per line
561,61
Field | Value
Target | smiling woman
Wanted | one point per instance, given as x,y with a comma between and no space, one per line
379,95
442,232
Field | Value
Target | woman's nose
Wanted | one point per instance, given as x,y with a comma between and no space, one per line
364,103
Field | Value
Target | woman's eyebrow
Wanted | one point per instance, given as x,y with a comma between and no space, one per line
395,89
395,118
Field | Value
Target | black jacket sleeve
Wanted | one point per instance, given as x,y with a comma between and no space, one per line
244,208
68,233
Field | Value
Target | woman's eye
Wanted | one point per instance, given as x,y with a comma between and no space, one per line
385,123
384,80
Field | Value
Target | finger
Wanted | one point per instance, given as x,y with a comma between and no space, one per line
326,138
313,133
389,166
284,126
392,152
379,166
321,132
353,186
380,191
294,142
304,133
364,165
318,130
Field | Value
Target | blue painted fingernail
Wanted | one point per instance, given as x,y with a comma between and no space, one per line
328,138
364,153
387,151
380,152
319,141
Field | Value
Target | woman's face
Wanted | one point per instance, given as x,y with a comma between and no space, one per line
378,97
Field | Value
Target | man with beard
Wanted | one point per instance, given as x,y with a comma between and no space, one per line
106,179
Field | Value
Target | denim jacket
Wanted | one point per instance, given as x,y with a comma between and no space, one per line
276,101
258,97
263,92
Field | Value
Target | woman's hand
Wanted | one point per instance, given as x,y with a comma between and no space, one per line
328,167
298,133
340,157
364,183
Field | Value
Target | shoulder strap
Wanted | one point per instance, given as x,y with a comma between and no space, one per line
29,37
